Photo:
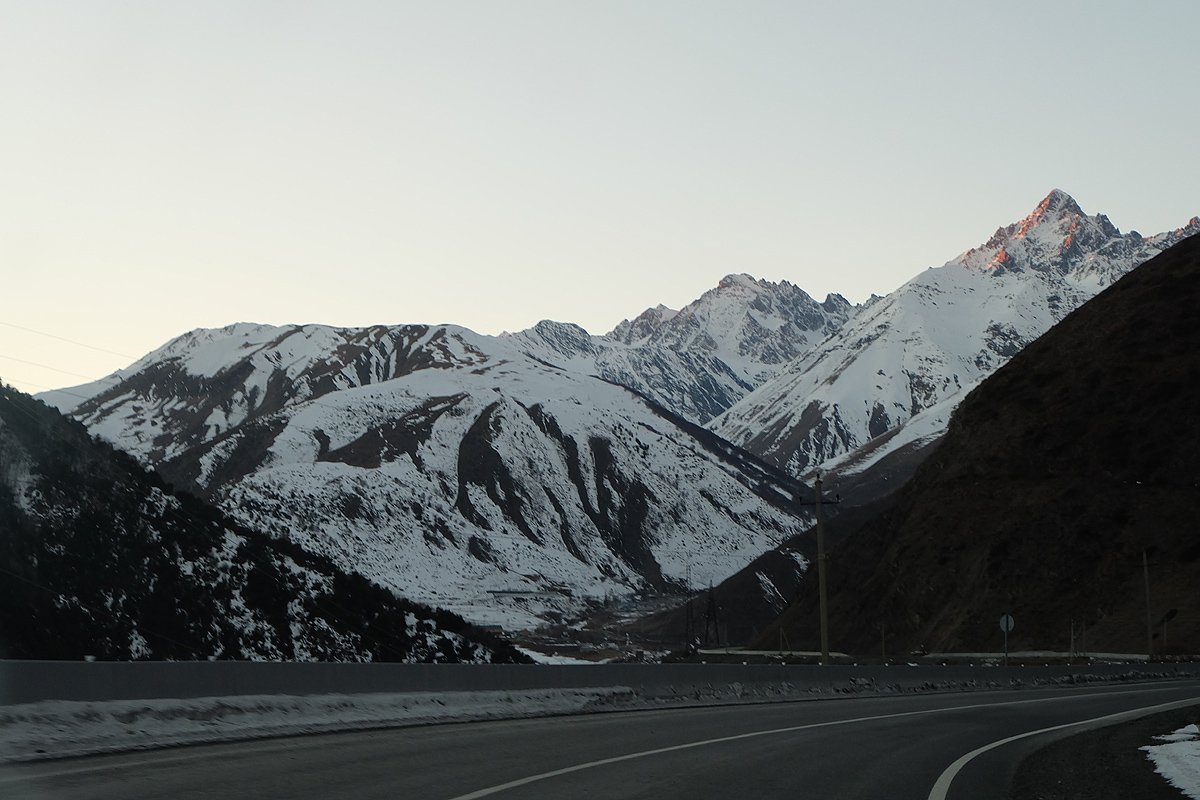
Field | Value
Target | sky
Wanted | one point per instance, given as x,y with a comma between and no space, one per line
172,165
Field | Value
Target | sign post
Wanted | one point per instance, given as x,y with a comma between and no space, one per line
1006,625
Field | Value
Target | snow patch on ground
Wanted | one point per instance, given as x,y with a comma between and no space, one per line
67,728
1178,759
62,728
547,658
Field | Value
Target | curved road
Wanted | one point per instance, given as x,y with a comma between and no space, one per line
915,747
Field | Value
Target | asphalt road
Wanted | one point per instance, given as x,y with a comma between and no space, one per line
890,747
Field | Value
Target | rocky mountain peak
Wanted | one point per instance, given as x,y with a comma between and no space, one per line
1057,203
643,325
739,279
836,304
888,379
1059,237
564,338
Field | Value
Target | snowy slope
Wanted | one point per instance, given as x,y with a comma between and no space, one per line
699,360
448,466
915,353
102,559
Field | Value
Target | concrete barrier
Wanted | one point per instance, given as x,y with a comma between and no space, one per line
34,681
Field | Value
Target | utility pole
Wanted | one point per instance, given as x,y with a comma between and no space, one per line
689,628
821,565
710,617
1149,624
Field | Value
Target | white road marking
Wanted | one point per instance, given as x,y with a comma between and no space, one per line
942,785
503,787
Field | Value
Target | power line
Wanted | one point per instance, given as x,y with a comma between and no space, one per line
69,341
21,408
56,391
63,371
40,386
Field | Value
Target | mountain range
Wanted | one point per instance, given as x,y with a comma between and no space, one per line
886,382
450,467
700,360
517,478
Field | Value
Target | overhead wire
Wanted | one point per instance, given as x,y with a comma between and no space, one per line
65,339
88,378
117,378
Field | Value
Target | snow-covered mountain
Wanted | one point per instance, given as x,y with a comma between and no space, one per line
891,376
451,467
101,558
508,477
700,360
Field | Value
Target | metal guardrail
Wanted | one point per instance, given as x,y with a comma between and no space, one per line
33,681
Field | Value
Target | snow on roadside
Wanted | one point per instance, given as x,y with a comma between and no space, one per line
1178,759
62,728
546,658
66,728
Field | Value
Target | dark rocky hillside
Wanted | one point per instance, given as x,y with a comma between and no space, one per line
749,602
1054,478
99,557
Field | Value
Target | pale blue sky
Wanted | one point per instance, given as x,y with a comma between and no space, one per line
170,165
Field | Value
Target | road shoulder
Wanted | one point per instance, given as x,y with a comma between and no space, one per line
1101,764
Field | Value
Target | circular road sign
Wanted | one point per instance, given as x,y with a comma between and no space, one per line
1006,623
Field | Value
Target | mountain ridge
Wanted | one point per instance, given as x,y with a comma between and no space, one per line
934,338
1058,475
447,466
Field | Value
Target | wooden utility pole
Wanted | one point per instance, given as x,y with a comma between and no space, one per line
710,617
689,628
821,588
1149,624
821,576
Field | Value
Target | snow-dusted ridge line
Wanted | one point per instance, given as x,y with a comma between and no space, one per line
913,355
450,466
698,360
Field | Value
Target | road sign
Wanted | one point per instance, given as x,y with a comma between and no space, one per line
1006,625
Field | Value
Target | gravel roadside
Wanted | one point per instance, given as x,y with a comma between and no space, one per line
1102,764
